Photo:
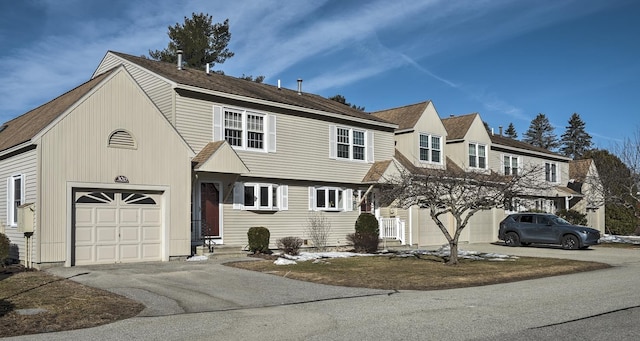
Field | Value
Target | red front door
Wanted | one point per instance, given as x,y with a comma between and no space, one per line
210,209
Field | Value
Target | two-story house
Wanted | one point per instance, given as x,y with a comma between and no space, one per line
147,157
465,142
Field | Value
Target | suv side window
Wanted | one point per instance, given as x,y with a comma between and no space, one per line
526,219
543,220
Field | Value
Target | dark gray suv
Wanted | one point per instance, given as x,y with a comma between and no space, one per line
526,228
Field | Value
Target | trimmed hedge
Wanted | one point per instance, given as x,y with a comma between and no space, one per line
259,239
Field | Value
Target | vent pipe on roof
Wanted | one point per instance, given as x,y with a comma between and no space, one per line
207,68
279,85
179,59
299,86
500,130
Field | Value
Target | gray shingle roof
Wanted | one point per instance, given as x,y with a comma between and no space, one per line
405,117
458,126
241,87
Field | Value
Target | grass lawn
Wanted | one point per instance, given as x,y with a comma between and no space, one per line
61,304
424,273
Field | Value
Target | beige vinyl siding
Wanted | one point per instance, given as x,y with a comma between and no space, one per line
302,151
483,226
291,222
25,164
75,150
160,92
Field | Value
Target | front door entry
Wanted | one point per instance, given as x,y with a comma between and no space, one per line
210,209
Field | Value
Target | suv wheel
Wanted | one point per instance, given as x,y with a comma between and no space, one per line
512,239
570,242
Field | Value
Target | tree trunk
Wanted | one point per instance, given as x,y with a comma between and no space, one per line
453,257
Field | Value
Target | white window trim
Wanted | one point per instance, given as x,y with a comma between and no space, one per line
511,157
347,199
477,156
281,197
269,128
333,144
430,148
12,218
557,167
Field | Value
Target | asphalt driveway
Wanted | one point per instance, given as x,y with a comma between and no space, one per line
169,288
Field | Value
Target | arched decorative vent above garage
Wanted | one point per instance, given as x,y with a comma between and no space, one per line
122,139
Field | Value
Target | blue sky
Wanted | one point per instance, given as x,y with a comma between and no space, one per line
507,60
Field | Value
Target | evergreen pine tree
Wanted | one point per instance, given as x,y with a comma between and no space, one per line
575,141
541,133
511,132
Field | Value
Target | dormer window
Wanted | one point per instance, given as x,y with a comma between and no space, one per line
244,129
477,156
430,148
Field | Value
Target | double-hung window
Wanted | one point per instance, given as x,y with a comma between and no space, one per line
330,199
350,144
477,156
15,198
260,196
244,129
551,172
430,148
510,164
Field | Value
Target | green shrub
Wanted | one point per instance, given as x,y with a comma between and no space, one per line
366,238
259,239
364,242
289,245
573,216
367,223
5,244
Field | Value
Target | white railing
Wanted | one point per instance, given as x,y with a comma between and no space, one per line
392,228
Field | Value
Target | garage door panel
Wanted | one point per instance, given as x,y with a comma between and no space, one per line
84,215
84,235
106,234
113,227
84,254
129,252
129,216
129,234
151,216
105,253
106,216
150,251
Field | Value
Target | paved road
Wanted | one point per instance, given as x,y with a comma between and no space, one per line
205,300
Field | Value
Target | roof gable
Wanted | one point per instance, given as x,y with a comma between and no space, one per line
406,116
219,157
458,126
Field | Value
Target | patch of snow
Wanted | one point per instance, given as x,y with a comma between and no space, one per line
197,258
284,261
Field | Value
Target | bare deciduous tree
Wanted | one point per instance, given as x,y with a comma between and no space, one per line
459,193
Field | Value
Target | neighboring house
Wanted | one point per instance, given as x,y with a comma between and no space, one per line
471,147
584,179
147,158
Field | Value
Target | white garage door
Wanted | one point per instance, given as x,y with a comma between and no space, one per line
117,226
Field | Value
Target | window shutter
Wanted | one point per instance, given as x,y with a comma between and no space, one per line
284,197
333,140
23,194
217,123
9,179
348,200
238,196
271,126
370,146
312,198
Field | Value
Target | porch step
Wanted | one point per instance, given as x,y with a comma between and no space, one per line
390,243
222,251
